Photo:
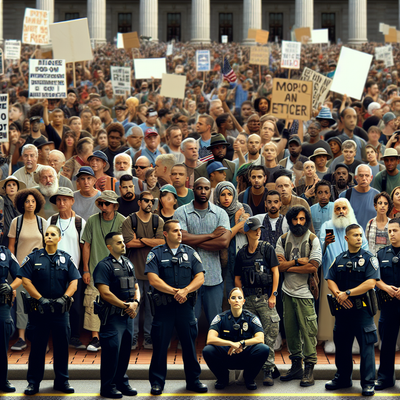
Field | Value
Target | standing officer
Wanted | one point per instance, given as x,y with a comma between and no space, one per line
50,277
8,264
257,273
115,279
389,299
352,274
175,271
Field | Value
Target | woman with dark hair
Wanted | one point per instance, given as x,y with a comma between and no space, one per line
168,202
151,183
68,144
100,139
261,105
26,233
377,228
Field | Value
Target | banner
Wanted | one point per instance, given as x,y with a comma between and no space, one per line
385,53
3,118
35,27
47,79
259,55
12,49
121,80
292,99
322,85
291,52
203,63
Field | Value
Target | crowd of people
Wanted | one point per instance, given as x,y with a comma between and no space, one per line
196,200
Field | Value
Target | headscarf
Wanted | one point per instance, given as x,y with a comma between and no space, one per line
235,205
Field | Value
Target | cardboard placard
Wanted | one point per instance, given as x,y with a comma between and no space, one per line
251,33
398,36
3,118
47,79
385,53
291,55
131,40
319,36
259,55
1,62
173,86
12,49
71,40
321,85
303,35
383,28
391,37
351,73
224,39
121,80
203,60
147,68
35,26
292,99
170,49
262,36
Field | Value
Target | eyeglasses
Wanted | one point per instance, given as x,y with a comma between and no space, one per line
148,200
106,203
139,166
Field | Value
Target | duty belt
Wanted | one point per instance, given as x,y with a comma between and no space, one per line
367,300
384,298
6,299
251,291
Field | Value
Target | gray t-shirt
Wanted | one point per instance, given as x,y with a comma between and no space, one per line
85,206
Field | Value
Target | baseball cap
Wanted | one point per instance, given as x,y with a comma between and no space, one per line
215,166
169,189
150,132
252,223
296,139
85,170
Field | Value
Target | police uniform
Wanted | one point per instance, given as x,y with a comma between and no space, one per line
251,359
116,333
254,270
177,271
8,264
51,276
348,271
389,321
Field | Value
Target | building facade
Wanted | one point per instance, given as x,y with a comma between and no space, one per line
202,21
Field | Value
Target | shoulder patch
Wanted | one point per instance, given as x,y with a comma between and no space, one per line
374,262
24,261
150,256
256,321
216,319
196,254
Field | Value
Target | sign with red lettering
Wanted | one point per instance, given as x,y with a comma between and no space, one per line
4,118
35,27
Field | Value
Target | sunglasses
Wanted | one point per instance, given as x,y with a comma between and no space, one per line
106,203
148,200
139,166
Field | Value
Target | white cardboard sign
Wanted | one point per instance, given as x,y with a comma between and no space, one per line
35,26
121,80
385,53
173,86
319,36
291,52
321,85
203,61
12,49
146,68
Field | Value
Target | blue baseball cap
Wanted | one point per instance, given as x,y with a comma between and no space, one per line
252,223
215,166
169,189
102,156
85,170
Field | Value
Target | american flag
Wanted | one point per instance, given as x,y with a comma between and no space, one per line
228,72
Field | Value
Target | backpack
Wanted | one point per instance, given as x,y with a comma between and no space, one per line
20,221
78,223
155,220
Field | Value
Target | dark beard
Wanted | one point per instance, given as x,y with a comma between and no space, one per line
298,230
341,184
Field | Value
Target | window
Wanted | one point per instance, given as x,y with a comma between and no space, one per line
69,16
328,22
124,22
173,26
275,26
226,26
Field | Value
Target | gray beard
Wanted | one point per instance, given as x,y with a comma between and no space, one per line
341,222
48,191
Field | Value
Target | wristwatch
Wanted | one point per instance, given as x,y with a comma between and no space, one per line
295,258
243,344
275,294
348,292
136,301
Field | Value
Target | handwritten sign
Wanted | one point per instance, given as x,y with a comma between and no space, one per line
121,80
292,99
259,55
385,53
290,55
321,85
12,49
35,26
203,63
3,118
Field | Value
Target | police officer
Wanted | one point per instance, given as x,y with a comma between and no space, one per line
50,277
350,278
8,264
175,272
235,340
389,299
114,277
257,273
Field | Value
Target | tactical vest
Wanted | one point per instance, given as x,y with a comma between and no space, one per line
124,286
230,330
389,266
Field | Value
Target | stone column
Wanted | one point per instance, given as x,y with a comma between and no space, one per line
357,21
149,19
304,14
200,21
46,5
251,18
96,14
1,22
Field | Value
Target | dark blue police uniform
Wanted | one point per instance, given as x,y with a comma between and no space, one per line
389,321
348,271
177,271
251,359
116,335
8,264
51,276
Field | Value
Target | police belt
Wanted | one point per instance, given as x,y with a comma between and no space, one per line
31,305
251,291
105,310
366,301
162,299
6,299
384,298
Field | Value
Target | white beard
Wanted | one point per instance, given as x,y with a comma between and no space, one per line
48,191
343,222
118,174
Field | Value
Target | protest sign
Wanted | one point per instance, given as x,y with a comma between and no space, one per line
391,37
251,33
224,39
35,26
170,49
71,40
292,99
319,36
398,36
262,36
259,55
303,35
3,118
383,28
290,55
121,80
385,53
1,62
321,85
12,49
147,68
203,63
131,40
173,86
47,79
351,73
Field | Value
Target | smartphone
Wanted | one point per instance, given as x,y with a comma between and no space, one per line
328,231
